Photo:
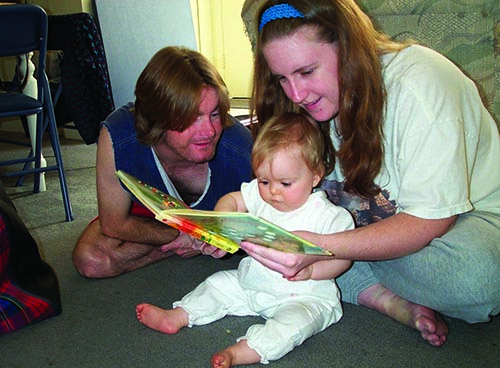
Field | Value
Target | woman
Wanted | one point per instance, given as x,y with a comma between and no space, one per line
417,162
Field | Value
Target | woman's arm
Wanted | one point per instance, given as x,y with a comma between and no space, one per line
322,270
396,236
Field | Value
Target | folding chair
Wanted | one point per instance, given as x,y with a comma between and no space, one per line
23,30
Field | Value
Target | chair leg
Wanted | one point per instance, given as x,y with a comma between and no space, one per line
20,179
36,140
35,123
56,147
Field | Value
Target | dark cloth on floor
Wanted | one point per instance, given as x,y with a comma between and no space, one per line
29,289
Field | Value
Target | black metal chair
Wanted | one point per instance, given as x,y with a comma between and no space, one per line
23,29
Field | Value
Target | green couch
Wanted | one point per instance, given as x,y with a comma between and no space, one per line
466,31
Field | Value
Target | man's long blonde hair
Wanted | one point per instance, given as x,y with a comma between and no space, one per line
168,92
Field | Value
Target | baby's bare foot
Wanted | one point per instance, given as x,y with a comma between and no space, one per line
237,354
222,359
168,321
431,325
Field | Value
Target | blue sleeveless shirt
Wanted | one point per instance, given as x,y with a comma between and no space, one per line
229,168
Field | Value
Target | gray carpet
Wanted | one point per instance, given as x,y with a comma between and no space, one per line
98,327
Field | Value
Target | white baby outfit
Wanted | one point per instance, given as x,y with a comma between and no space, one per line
294,310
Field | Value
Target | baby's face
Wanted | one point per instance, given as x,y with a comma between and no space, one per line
285,181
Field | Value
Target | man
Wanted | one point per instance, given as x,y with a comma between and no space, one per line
175,137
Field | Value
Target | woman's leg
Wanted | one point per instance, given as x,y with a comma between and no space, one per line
457,275
360,286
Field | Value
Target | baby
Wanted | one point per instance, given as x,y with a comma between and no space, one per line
289,159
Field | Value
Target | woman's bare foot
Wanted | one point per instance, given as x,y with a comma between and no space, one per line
239,353
168,321
431,325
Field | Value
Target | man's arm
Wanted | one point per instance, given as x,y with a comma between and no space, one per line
114,204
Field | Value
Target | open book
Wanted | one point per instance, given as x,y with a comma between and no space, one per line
225,230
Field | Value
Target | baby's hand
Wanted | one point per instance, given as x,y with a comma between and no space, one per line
302,275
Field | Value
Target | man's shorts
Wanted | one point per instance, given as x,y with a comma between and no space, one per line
136,209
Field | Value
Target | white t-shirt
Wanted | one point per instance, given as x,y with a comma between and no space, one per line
317,215
441,146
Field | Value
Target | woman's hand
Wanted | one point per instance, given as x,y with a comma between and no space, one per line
303,275
186,246
288,264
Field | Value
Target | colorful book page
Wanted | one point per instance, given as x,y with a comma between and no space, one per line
225,230
235,227
152,198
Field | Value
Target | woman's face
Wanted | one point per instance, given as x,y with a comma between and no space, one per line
307,71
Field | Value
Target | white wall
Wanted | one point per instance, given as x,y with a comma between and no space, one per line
223,41
132,32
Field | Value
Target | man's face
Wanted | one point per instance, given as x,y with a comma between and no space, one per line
196,144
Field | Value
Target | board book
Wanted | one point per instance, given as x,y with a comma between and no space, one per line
225,230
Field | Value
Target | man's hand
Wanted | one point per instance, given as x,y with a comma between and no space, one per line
209,250
187,247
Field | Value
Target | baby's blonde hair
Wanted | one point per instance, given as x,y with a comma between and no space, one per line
291,129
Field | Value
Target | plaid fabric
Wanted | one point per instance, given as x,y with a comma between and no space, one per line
18,308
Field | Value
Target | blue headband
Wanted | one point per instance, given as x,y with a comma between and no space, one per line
279,12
